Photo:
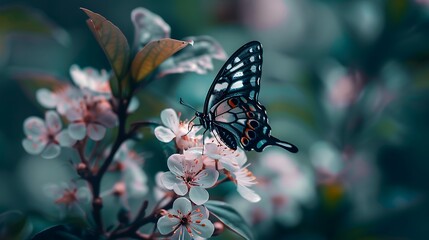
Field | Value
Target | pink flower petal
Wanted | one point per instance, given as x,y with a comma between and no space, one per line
51,151
74,114
180,188
166,224
169,119
183,206
248,193
46,98
53,122
35,128
107,118
96,131
33,147
164,134
77,131
168,180
207,177
204,229
198,195
175,164
64,139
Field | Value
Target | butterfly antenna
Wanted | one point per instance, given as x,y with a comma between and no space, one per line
187,105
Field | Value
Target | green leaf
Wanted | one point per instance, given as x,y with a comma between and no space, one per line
114,45
14,225
231,218
152,55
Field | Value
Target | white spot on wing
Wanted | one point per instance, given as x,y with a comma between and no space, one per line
250,49
242,121
252,58
238,74
261,143
265,130
229,66
220,86
237,84
253,81
253,68
237,59
252,94
237,66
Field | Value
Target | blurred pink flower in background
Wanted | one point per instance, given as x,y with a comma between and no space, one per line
90,116
91,79
284,188
45,137
68,197
255,13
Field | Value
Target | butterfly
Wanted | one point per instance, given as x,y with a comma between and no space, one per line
232,111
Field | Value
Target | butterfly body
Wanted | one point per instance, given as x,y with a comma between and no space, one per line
232,111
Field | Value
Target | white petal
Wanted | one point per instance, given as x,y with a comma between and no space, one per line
77,130
182,206
207,177
51,151
180,188
169,119
34,128
78,76
248,193
175,164
108,118
96,131
53,122
64,139
33,147
203,229
46,98
167,224
164,134
168,180
74,113
134,104
198,195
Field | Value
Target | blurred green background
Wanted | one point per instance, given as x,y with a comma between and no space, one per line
346,81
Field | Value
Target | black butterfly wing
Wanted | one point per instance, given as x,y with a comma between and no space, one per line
239,76
245,120
233,102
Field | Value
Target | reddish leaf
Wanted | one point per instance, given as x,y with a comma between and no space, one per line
152,55
113,43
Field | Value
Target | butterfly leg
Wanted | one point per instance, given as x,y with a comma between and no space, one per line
204,139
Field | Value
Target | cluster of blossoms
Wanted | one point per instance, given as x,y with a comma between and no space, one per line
87,109
193,170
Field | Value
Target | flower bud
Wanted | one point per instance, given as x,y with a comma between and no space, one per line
219,228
